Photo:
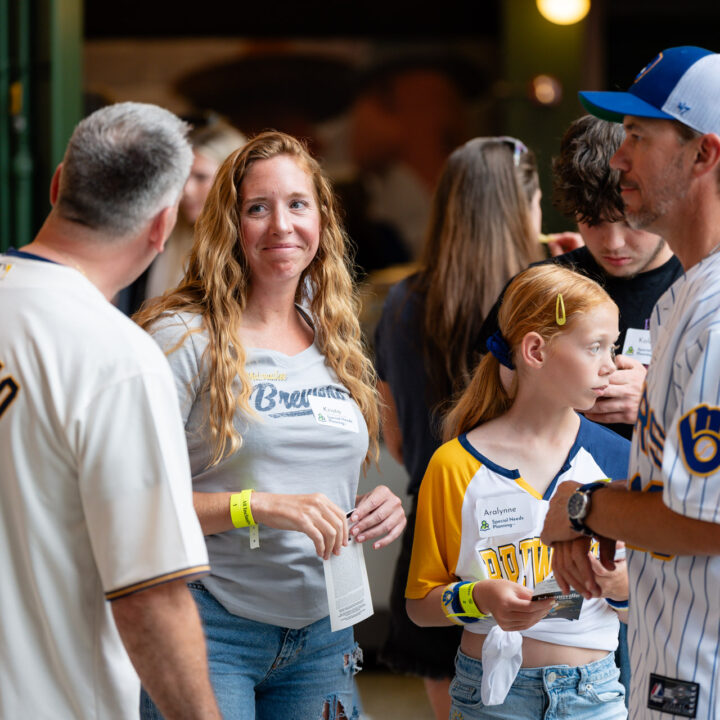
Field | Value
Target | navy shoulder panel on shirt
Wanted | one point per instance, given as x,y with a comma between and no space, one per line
610,450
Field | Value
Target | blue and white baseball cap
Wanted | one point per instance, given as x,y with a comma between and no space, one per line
681,83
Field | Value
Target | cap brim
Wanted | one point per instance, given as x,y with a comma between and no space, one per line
614,106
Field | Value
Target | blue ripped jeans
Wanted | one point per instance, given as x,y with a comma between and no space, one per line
271,673
588,692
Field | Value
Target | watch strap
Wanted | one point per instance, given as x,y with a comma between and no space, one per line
578,524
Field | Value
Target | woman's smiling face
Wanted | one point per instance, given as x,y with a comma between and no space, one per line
280,219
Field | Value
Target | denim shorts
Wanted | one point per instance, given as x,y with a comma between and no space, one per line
268,672
588,692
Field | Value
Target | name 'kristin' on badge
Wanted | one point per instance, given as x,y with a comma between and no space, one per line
333,412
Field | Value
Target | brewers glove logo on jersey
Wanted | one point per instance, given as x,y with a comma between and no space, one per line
699,432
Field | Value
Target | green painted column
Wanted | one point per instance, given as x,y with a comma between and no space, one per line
531,46
66,73
21,161
59,89
5,198
41,44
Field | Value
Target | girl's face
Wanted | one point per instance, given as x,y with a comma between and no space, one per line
280,219
581,359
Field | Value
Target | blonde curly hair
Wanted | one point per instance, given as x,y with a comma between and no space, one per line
216,286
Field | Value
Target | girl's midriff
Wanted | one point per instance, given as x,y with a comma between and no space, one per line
537,653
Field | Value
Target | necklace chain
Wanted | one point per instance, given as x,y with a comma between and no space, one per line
69,262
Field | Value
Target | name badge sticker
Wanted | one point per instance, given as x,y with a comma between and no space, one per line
333,412
637,345
505,515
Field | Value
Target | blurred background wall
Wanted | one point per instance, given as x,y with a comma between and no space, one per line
490,67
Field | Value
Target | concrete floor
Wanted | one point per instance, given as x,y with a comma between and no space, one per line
392,697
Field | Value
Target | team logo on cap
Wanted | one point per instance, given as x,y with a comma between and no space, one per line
649,67
699,432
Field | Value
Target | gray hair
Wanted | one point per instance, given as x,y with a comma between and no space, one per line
124,164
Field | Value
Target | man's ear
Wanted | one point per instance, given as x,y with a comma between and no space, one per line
533,349
55,184
161,227
708,154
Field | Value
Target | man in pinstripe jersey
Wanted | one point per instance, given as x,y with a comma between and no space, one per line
668,512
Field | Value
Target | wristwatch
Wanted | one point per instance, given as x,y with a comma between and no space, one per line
579,505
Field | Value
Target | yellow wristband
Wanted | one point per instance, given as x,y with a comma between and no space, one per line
240,512
458,605
465,595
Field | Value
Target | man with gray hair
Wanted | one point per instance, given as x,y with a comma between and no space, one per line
95,499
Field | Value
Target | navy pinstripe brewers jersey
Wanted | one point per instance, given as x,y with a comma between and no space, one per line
478,520
674,628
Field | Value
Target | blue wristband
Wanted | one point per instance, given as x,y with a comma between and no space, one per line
618,604
453,606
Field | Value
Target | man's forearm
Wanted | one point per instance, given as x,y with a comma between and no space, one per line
643,520
161,630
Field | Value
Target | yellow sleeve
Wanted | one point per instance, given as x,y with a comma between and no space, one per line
438,527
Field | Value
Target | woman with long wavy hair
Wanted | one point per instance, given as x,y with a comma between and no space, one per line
483,230
280,410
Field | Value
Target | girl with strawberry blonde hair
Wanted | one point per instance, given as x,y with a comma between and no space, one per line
477,555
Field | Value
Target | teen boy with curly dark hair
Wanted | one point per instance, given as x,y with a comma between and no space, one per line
634,266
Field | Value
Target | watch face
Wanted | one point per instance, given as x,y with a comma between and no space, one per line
576,505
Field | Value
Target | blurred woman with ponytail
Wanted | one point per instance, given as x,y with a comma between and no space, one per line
483,230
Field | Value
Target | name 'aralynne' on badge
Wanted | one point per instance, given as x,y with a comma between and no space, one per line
501,516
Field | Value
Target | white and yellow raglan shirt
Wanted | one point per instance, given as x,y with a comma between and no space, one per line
477,520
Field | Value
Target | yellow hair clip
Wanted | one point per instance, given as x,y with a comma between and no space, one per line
560,317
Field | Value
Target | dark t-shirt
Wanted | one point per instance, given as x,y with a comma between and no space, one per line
399,361
635,298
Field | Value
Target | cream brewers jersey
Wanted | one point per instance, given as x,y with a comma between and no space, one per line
95,492
476,519
674,623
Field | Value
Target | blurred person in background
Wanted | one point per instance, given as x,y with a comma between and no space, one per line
484,227
212,140
409,112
